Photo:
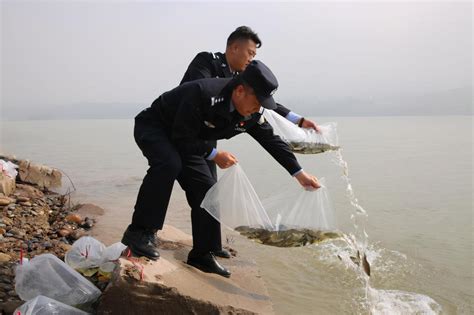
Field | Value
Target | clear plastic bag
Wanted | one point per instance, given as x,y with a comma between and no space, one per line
302,140
85,253
8,168
88,253
234,202
49,276
109,255
42,305
300,208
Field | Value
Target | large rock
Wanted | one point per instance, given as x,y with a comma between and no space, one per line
170,286
41,175
7,184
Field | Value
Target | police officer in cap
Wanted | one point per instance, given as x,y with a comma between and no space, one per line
241,48
174,134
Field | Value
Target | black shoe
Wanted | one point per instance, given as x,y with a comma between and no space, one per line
142,242
222,253
208,263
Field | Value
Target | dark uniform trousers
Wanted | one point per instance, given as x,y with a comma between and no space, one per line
194,174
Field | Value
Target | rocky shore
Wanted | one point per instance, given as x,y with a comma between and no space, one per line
33,221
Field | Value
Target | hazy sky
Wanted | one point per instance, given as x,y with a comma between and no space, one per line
60,53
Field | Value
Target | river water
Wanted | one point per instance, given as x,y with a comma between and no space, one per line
412,175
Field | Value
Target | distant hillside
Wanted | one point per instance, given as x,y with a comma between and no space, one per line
451,102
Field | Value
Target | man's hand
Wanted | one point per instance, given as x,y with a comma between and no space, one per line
225,159
310,125
308,181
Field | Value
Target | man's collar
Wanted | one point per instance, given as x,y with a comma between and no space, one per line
227,69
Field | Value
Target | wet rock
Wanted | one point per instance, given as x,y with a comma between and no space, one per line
87,224
73,218
64,232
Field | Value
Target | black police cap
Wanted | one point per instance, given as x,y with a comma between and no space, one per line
262,81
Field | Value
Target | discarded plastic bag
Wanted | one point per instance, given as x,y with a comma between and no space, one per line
88,255
85,253
302,140
42,305
109,255
301,209
8,168
47,275
233,202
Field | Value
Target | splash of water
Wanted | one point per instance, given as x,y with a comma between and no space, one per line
377,301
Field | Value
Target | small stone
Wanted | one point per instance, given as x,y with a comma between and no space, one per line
7,221
6,287
64,247
17,232
64,232
12,293
5,201
22,199
34,213
4,257
77,234
47,245
2,231
73,218
8,235
26,204
12,207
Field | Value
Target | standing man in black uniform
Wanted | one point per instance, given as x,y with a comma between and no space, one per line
241,48
173,135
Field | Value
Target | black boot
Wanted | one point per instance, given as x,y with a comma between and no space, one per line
142,242
222,253
207,263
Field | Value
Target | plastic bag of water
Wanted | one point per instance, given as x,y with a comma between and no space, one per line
42,305
49,276
300,208
301,140
233,201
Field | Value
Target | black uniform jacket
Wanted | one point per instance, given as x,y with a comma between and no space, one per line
214,65
201,110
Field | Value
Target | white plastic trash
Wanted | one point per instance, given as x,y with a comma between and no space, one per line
109,255
300,208
49,276
8,168
85,253
303,140
233,202
42,305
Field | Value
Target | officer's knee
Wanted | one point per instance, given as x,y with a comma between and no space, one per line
170,168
